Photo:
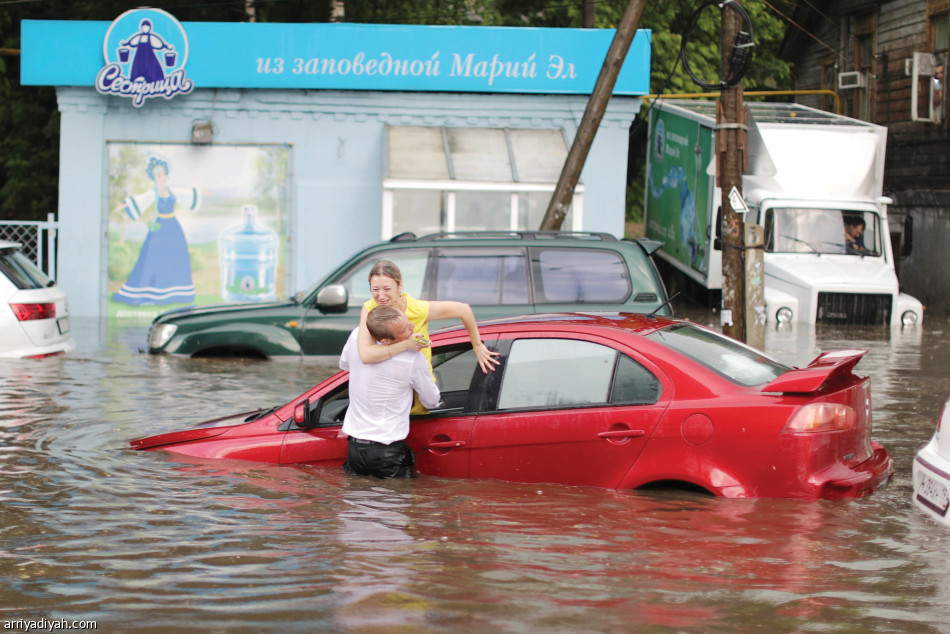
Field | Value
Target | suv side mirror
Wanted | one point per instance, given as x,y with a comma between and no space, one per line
333,299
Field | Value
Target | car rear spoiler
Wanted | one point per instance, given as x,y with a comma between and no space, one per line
811,378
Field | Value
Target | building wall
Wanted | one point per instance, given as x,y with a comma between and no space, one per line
917,165
337,172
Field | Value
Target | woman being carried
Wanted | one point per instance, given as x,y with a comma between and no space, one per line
385,281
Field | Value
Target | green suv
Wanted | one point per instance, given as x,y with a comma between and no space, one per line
498,274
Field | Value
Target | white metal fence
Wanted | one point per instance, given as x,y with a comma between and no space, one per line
38,239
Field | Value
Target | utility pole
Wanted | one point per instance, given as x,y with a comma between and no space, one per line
564,192
731,157
590,13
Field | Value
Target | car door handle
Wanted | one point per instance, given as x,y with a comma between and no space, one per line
448,444
622,433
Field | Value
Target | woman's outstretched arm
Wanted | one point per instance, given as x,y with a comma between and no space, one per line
459,310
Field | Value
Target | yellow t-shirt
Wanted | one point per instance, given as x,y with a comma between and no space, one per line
417,310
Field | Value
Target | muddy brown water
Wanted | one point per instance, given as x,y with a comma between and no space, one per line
144,542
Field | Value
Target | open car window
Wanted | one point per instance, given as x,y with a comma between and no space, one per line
455,370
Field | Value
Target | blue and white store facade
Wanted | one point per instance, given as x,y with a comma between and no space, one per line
205,162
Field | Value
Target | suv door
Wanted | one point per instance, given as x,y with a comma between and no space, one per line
494,281
325,333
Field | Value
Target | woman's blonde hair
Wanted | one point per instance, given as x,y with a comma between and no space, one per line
386,268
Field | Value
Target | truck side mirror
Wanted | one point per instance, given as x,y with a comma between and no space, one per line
333,299
907,242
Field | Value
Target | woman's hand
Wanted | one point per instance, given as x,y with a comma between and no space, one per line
417,342
486,358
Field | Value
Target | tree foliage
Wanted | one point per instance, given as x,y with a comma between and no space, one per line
29,118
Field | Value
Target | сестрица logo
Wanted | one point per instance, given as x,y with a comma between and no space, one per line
145,51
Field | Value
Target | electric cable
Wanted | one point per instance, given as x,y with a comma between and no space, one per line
739,59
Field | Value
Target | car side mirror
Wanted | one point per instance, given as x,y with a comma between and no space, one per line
307,416
333,299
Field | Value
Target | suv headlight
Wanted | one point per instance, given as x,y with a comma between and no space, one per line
160,334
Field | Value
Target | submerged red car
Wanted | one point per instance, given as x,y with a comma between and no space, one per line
609,400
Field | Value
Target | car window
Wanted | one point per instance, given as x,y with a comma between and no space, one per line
453,368
556,373
482,279
411,262
634,384
20,271
580,275
735,361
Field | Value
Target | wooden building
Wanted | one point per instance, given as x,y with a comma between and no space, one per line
885,59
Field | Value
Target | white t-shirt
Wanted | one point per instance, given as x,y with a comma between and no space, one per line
381,393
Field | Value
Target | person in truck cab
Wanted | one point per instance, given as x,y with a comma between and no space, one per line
854,235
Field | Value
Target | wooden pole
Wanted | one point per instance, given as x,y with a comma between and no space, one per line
730,146
570,173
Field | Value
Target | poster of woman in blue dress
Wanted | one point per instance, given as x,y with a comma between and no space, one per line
162,273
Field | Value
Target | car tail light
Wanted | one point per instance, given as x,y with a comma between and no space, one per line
29,312
819,417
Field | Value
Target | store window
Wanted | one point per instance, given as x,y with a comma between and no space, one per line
446,179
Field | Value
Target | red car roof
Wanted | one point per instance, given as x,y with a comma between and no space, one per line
629,322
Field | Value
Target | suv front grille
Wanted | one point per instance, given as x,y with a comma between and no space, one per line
853,308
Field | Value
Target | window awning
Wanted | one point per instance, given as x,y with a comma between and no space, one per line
497,155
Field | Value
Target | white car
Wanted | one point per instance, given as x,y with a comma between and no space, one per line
932,471
34,313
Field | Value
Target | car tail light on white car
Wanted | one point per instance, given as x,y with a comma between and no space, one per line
38,322
29,312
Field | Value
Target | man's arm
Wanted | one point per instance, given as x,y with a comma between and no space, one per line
420,378
371,353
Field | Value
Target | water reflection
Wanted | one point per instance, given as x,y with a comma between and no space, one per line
147,541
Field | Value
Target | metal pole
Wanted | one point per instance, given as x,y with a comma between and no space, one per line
730,146
596,106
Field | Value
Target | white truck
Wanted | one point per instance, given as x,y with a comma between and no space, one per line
814,182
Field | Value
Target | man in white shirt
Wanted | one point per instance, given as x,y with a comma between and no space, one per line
377,418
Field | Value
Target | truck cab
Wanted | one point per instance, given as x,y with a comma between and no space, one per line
813,181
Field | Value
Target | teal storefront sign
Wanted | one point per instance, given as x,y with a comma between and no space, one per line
335,56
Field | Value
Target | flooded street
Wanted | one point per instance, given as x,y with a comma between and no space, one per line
143,542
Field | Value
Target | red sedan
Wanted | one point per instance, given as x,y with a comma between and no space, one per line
610,400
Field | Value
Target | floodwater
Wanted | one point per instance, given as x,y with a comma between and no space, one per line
143,542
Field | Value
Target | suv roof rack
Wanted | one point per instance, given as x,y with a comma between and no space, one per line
516,235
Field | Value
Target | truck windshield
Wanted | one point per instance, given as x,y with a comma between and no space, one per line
838,231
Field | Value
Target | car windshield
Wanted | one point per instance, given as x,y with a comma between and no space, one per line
735,361
831,231
23,273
